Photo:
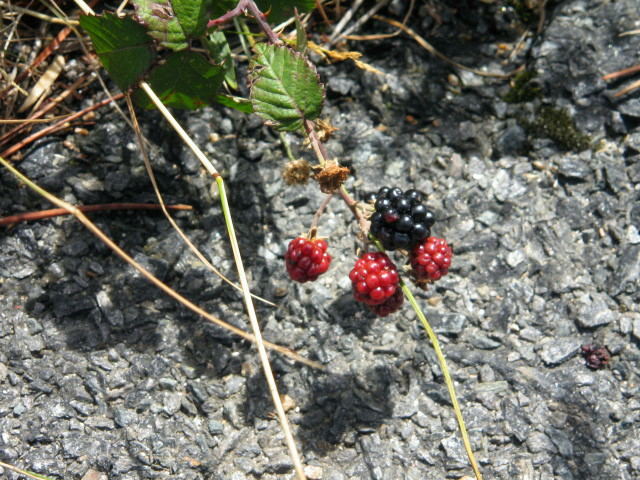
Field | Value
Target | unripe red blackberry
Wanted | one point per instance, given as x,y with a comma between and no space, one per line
306,259
400,219
431,259
391,305
374,278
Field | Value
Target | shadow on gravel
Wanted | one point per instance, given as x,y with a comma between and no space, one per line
582,441
93,298
350,316
340,406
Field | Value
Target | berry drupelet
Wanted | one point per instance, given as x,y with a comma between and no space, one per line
307,259
400,219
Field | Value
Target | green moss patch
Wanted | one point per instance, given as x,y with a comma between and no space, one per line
557,124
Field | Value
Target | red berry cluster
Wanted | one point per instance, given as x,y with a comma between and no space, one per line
374,277
431,259
307,259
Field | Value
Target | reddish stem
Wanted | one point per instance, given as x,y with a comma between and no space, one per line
240,9
55,212
318,214
622,73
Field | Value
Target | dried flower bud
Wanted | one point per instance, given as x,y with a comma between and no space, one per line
297,172
331,177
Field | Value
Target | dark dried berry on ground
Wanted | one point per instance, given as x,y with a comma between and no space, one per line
431,259
306,259
596,357
400,219
374,278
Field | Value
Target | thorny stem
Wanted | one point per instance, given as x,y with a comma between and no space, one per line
358,212
240,8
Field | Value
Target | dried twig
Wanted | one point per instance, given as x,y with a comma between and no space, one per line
103,207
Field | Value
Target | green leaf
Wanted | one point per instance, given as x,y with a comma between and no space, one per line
192,15
284,87
186,80
162,24
280,10
123,46
237,103
220,51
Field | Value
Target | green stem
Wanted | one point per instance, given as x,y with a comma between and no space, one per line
287,147
447,378
241,27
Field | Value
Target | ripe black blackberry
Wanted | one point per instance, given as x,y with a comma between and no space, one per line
400,219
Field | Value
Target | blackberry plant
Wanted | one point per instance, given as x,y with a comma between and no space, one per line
286,93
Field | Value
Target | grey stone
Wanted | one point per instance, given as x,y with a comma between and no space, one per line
512,141
454,453
559,350
636,327
215,427
480,340
447,323
539,442
631,107
561,440
625,277
574,167
4,372
594,311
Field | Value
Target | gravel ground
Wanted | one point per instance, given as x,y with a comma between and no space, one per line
101,376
